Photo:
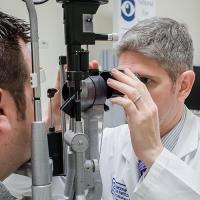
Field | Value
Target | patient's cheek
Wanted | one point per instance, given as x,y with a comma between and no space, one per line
5,125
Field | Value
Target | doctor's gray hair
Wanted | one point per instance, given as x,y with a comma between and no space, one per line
162,39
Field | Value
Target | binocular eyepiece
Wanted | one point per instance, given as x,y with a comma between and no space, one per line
94,90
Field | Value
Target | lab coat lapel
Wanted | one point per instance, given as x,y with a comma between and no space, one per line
129,174
188,141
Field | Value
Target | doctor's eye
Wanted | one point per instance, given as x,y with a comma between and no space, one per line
144,80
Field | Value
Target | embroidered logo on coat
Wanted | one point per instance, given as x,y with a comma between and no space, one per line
119,191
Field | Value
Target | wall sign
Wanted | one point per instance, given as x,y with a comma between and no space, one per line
129,12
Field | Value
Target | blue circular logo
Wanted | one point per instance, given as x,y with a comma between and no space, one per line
128,10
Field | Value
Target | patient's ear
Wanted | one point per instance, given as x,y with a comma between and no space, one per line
5,125
186,81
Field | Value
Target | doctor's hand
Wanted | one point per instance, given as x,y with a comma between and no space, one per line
56,100
142,115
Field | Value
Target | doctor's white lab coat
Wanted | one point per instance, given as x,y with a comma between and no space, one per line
174,175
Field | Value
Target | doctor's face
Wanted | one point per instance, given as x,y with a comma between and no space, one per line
163,91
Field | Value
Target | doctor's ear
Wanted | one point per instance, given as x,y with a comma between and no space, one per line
186,81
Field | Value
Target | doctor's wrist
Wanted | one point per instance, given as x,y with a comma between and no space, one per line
150,156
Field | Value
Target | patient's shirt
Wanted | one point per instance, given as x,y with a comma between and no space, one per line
4,194
19,185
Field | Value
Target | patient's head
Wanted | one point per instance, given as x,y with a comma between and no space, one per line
16,108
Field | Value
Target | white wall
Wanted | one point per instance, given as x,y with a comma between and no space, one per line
186,11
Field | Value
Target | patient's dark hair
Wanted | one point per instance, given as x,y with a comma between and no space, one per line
13,68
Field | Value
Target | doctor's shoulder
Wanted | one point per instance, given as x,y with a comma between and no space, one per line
193,120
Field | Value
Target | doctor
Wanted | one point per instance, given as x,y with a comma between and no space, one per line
157,155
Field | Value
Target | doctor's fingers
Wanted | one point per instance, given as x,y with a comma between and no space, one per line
123,77
93,64
142,89
129,107
132,80
130,92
